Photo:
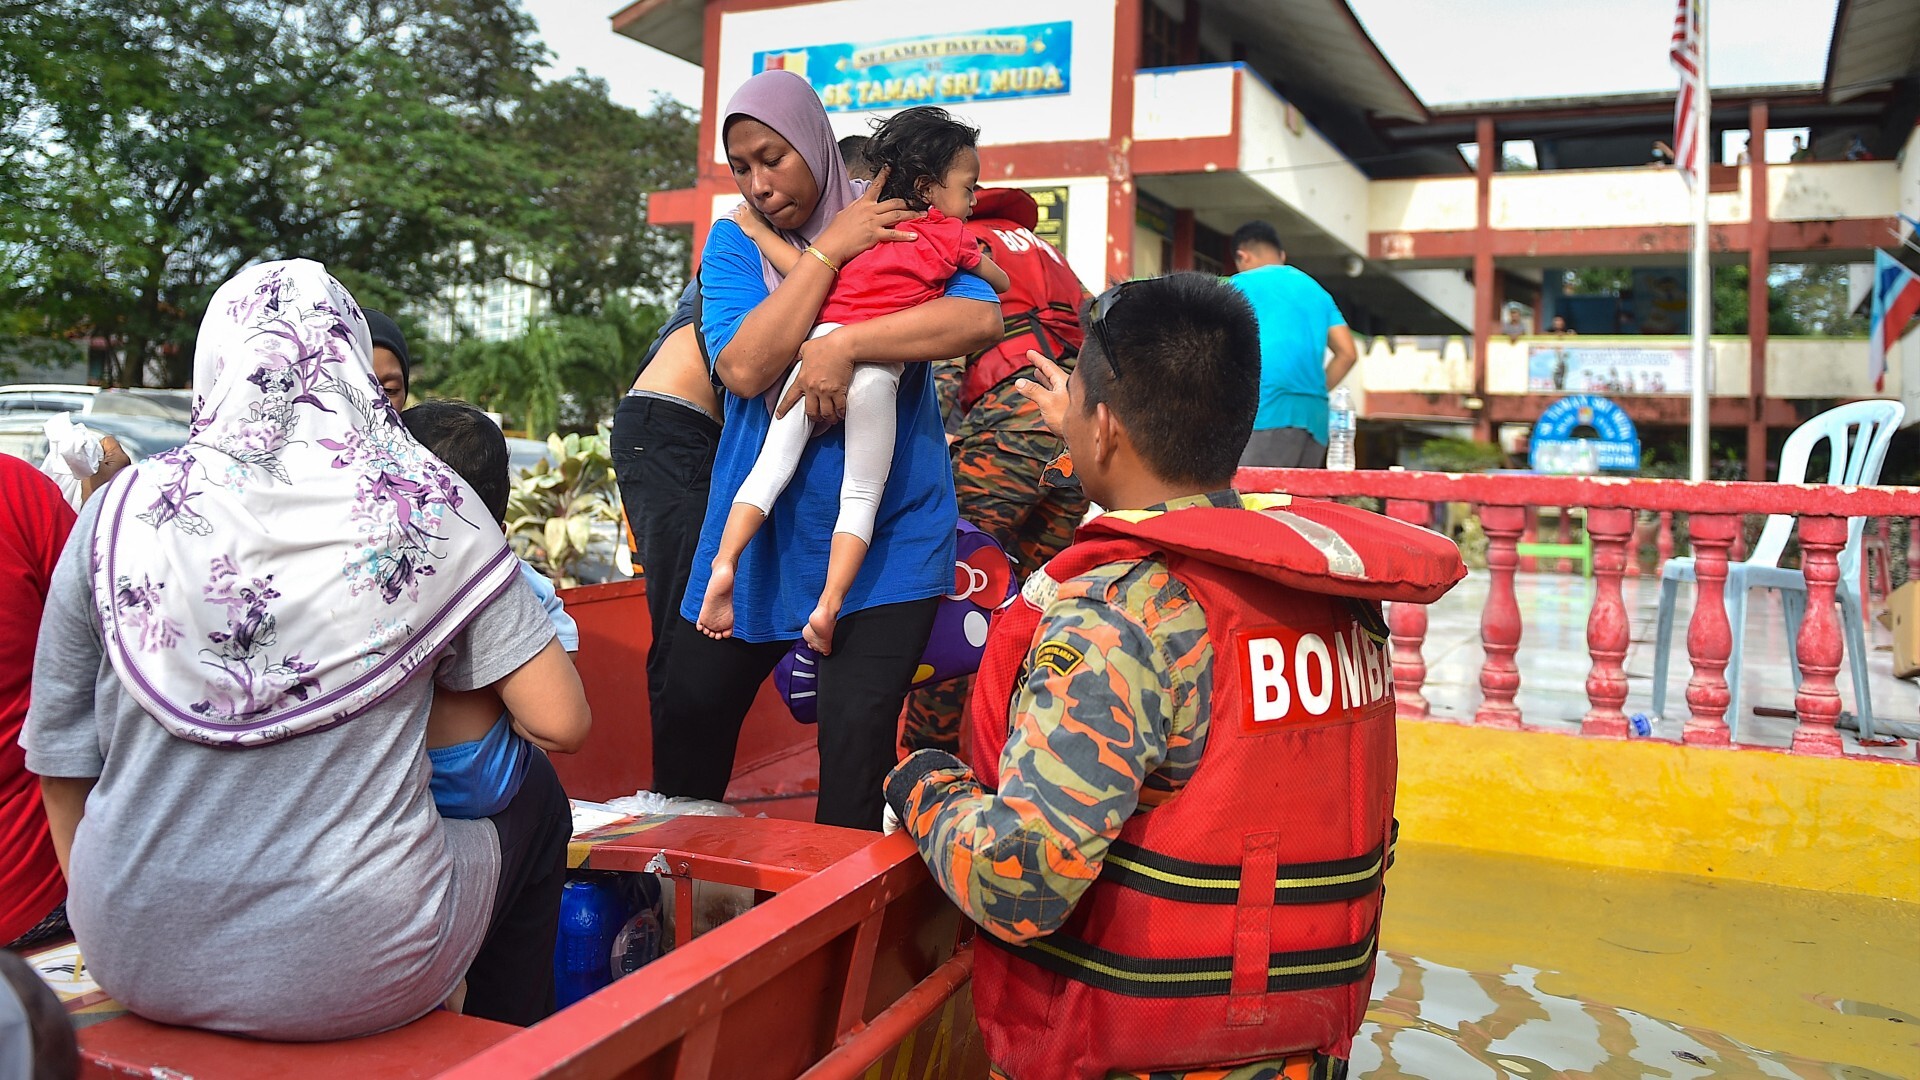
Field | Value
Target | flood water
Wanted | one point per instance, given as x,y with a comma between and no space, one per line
1505,967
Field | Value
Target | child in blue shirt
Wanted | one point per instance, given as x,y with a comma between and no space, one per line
480,752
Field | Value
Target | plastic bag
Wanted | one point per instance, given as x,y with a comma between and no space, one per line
74,453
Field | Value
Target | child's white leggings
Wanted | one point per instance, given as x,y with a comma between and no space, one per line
870,422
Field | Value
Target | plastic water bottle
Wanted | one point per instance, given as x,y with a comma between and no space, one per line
591,911
1340,430
639,942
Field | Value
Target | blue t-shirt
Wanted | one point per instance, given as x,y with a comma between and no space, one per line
478,779
1295,315
785,567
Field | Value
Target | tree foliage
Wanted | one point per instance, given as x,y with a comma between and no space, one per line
1803,300
151,148
566,371
585,198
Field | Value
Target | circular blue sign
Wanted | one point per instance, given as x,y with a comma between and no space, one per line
1615,447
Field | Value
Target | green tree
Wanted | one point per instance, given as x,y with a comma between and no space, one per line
565,372
585,236
151,148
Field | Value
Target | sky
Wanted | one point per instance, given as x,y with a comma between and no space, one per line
1480,50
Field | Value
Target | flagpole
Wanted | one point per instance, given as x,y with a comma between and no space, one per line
1706,154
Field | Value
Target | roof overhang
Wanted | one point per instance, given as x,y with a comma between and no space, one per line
675,27
1876,43
1321,43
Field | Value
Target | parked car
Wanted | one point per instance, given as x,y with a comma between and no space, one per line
49,398
24,435
524,454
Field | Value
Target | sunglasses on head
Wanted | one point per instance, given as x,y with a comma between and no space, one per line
1102,307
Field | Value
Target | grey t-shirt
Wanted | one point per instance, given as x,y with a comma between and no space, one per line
307,889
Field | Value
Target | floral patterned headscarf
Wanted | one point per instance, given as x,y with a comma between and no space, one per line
300,556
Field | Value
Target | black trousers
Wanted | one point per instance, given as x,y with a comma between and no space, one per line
663,457
511,979
696,726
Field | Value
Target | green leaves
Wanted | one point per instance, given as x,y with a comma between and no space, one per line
151,148
555,508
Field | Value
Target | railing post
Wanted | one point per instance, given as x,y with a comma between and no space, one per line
1818,701
1739,553
1563,534
1529,533
1607,633
1663,546
1500,621
1709,637
1407,626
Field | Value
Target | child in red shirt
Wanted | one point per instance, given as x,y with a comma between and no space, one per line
928,160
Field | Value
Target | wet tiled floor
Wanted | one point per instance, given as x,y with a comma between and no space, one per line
1554,661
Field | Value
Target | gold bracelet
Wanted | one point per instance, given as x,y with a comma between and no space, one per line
822,256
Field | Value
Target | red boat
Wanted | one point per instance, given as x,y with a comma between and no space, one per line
851,963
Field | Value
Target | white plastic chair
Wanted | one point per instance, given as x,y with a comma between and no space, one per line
1859,434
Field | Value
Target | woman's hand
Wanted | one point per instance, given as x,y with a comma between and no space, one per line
1051,397
826,370
869,220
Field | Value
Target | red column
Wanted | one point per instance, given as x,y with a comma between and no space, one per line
1407,625
1500,621
1818,701
1709,637
1182,240
1913,549
1607,631
1120,200
1663,546
1485,289
1759,261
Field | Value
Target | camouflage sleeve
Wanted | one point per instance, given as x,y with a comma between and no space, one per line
948,375
1089,722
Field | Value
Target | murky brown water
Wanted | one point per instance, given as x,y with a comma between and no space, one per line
1502,967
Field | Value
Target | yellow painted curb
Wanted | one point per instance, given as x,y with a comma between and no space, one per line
1847,825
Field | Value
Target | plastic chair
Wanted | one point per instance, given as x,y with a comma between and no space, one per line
1859,434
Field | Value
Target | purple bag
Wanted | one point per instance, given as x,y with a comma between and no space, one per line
983,581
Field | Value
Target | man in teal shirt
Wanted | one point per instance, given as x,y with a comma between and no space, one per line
1299,323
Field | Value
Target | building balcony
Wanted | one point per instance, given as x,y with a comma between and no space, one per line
1409,377
1841,207
1218,139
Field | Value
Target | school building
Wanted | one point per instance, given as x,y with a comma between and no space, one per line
1150,129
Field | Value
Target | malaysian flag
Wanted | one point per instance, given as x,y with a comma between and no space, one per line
1685,55
1896,300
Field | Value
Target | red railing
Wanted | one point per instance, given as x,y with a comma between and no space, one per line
1715,513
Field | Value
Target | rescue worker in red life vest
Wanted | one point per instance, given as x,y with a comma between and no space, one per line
1001,446
1179,812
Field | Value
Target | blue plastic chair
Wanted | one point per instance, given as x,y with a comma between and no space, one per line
1859,434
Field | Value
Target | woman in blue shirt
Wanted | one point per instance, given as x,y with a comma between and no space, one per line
786,162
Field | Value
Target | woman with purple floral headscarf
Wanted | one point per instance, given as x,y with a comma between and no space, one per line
788,167
235,667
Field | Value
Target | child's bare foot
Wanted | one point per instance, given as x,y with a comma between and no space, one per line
716,610
818,633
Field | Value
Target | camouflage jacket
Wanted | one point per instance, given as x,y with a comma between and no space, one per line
1117,733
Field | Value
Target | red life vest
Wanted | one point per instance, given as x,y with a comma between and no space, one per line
1041,311
1238,920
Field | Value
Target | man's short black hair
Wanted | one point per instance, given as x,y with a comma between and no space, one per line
1258,232
917,144
853,151
1189,374
469,442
